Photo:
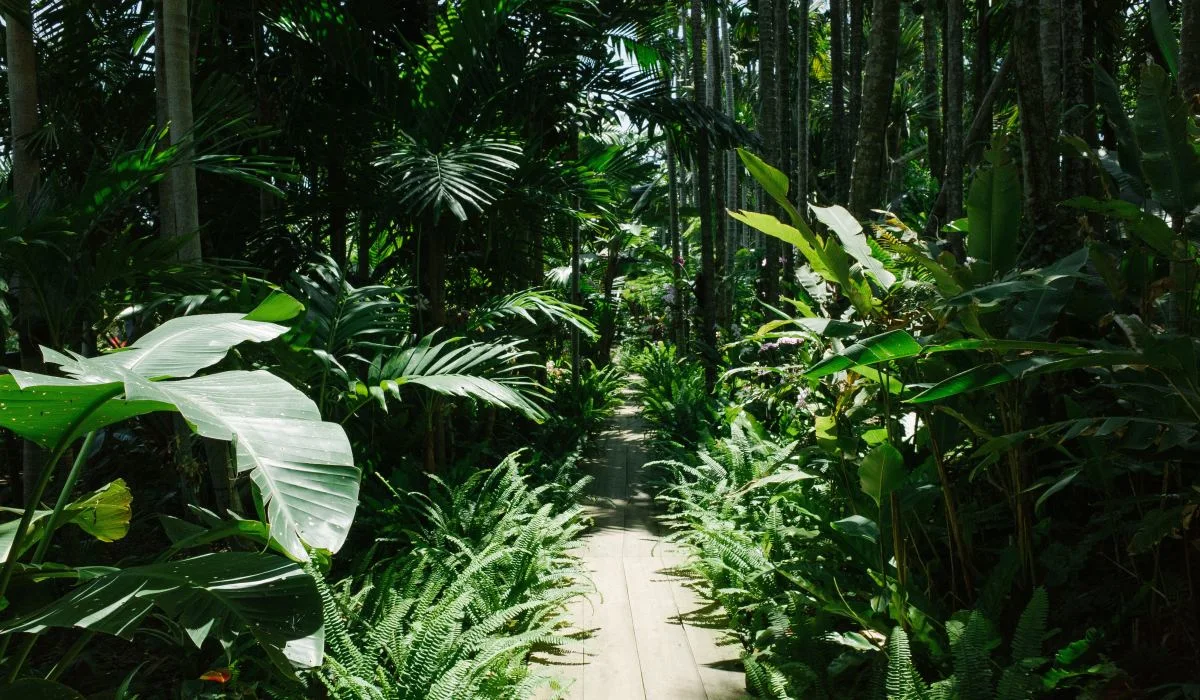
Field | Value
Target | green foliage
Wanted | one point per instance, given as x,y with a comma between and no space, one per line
454,614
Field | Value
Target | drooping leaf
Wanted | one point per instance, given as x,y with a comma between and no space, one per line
851,235
994,213
1164,35
1108,94
104,514
1169,161
881,472
210,595
302,466
892,345
47,410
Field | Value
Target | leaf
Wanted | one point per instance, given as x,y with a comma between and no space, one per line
858,526
1000,373
1169,161
47,410
1164,34
302,466
994,213
892,345
1153,231
488,372
39,688
808,244
851,235
210,595
178,348
1108,94
275,308
772,180
104,514
1155,526
881,472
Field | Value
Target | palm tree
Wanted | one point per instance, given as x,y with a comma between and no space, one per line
706,289
177,74
867,181
953,178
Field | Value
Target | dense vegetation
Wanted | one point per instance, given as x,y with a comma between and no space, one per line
309,308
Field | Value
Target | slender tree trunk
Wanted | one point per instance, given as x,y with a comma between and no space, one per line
178,74
953,176
26,171
1050,52
336,194
857,50
867,185
732,167
769,128
784,129
1036,140
166,186
678,330
837,58
1077,102
930,21
1189,54
706,289
983,58
720,220
802,89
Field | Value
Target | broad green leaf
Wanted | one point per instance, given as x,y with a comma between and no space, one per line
858,526
1169,161
809,246
892,345
178,348
302,466
211,595
994,213
1108,94
1153,231
824,327
1000,373
854,241
881,472
773,182
275,308
104,514
1003,346
47,410
1164,34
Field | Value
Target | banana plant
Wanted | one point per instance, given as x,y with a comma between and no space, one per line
301,468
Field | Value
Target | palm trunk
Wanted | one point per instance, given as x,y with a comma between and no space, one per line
178,79
678,329
930,21
1050,31
1076,98
953,176
867,183
731,161
784,128
837,59
720,221
856,65
769,128
1038,162
802,88
166,187
983,58
26,171
706,289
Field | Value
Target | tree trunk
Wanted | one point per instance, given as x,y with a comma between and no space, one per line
839,143
1077,98
732,166
26,171
783,122
802,88
867,184
1189,54
1050,51
166,186
983,58
1038,160
720,220
953,175
856,68
178,78
706,289
678,329
336,196
930,20
769,129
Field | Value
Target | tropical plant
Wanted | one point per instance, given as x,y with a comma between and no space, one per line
302,470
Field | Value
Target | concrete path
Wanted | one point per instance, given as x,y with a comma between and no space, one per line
651,635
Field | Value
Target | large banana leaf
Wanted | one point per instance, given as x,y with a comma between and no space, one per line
104,514
994,213
850,233
213,595
1168,157
488,372
302,466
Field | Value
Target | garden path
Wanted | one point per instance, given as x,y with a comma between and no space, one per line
653,635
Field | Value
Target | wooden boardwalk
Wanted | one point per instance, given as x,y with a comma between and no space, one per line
651,635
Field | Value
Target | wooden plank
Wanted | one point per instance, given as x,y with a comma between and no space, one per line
668,669
612,665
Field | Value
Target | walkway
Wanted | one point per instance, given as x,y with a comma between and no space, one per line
649,637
